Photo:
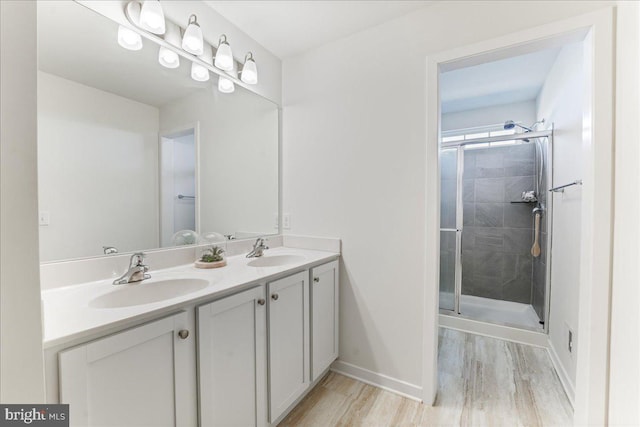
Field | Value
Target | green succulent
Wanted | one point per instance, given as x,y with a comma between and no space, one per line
212,254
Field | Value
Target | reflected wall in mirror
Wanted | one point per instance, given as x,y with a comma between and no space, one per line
130,152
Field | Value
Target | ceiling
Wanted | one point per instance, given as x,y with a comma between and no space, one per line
507,81
290,27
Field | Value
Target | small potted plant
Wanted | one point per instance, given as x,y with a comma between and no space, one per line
212,257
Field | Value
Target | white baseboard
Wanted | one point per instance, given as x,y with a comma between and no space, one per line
569,388
384,382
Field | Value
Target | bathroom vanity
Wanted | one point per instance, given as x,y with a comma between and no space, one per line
242,347
239,345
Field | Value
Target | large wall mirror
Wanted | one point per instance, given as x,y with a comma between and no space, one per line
131,152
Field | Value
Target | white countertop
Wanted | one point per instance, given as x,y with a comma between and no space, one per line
68,315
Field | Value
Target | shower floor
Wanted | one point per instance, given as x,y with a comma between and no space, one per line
496,311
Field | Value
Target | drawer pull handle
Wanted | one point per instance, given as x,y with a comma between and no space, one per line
316,279
183,333
261,301
275,297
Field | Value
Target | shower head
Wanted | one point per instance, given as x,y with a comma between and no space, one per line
510,124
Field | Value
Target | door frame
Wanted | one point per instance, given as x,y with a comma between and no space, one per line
165,133
596,30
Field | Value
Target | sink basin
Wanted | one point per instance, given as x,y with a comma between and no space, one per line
275,260
147,292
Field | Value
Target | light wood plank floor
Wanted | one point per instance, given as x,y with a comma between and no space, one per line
482,382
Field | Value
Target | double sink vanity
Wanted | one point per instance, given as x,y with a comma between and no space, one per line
239,345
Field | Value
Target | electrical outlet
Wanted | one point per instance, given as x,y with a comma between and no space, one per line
43,218
286,221
570,338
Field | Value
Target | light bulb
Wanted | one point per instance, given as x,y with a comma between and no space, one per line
152,17
168,58
129,39
192,40
199,72
224,57
249,73
225,85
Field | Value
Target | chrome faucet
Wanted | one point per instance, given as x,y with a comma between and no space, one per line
258,248
137,270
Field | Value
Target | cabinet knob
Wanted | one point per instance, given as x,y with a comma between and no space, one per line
261,301
183,333
316,279
274,297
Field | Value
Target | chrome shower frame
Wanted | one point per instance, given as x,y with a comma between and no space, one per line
547,209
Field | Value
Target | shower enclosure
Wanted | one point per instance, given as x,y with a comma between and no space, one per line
493,192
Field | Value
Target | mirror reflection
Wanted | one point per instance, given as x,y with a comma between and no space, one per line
131,153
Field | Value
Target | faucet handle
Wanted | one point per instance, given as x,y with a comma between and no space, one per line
136,259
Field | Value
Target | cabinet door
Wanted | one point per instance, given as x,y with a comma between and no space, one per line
288,341
232,358
324,317
132,378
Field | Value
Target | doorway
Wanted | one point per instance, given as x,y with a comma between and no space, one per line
178,195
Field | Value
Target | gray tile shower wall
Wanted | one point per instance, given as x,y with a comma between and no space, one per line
497,235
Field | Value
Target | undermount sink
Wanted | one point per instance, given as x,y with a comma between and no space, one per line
147,292
275,260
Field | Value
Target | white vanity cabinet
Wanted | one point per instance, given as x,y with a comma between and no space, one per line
324,317
138,377
232,360
288,342
242,359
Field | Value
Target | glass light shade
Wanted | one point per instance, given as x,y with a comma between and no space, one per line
168,58
225,85
192,40
152,17
129,39
249,73
199,73
224,57
211,237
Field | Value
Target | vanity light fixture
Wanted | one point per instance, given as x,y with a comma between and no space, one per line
152,17
129,39
249,73
167,57
199,72
224,57
147,15
192,41
225,85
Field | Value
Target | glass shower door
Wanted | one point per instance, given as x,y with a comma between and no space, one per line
450,228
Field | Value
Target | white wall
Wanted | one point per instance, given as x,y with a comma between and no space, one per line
624,380
561,102
97,170
520,112
354,164
21,361
238,158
